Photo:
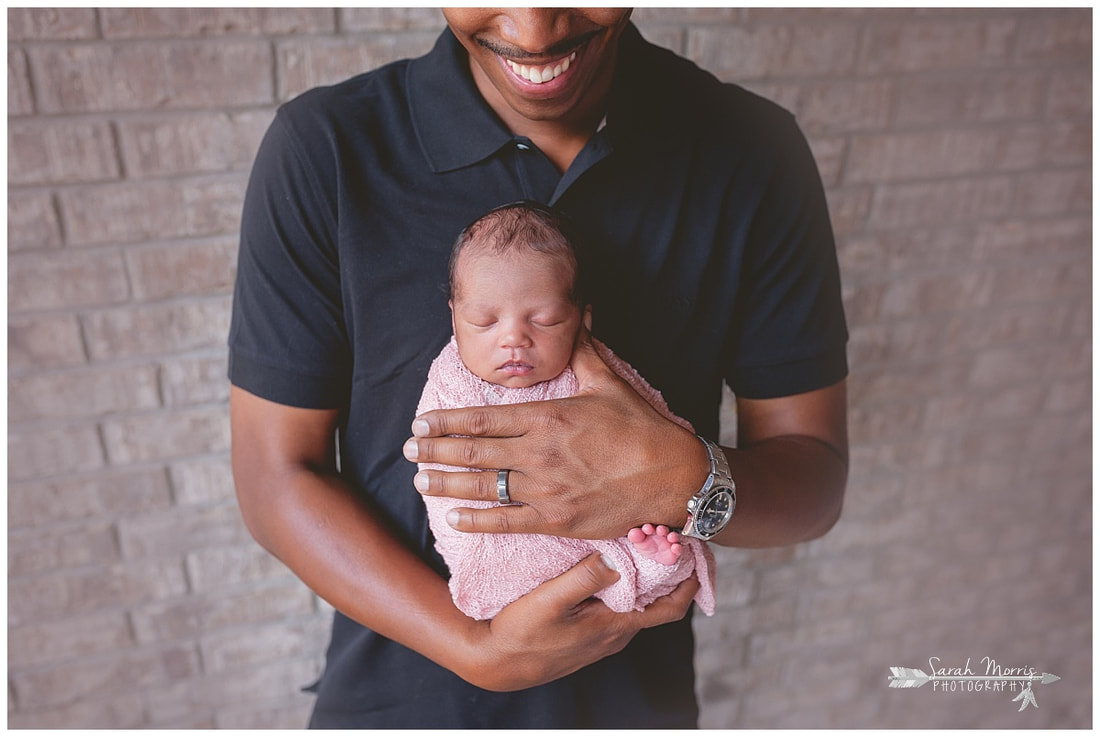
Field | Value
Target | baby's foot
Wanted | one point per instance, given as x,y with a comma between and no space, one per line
656,542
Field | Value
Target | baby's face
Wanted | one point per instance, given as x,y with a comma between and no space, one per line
514,321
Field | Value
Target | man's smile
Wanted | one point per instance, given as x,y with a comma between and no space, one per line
540,74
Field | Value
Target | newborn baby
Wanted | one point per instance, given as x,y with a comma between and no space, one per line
517,309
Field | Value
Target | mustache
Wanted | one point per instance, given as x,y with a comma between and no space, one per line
561,48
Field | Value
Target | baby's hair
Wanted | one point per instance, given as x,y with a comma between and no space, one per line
524,224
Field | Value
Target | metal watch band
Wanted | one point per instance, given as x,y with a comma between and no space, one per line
719,466
719,483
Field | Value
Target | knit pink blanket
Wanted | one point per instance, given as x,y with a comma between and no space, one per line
489,571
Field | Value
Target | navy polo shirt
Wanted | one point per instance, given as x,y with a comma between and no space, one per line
709,255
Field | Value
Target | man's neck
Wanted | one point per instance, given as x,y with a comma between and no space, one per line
561,139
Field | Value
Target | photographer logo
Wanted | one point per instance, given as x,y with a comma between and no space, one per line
993,676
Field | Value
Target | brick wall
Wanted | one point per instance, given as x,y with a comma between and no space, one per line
955,146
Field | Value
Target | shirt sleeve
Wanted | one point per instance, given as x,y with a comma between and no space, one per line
793,334
288,340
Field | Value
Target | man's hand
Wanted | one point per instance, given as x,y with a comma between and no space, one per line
598,463
558,628
589,466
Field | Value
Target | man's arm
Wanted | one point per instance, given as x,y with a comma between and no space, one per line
596,464
790,467
297,508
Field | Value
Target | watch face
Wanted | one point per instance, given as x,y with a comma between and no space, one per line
715,513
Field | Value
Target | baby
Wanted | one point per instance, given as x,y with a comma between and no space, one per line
517,308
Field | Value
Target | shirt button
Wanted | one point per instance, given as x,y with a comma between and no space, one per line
523,147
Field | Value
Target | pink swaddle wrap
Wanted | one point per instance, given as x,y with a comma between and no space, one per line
489,571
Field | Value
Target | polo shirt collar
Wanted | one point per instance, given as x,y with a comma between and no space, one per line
454,125
457,128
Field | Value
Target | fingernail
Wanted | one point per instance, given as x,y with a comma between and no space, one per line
420,428
608,562
410,449
452,518
420,481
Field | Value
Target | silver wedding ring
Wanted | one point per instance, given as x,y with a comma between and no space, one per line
502,487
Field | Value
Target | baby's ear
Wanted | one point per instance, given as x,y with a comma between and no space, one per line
451,305
587,317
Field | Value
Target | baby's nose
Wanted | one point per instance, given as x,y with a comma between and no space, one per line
515,335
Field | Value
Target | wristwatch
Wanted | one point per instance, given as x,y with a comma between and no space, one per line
710,509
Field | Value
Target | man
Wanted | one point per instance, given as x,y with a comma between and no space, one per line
711,258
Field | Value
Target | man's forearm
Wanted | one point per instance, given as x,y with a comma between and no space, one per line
316,527
789,489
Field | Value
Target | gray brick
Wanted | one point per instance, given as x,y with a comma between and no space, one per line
1040,283
896,157
305,64
62,278
849,208
992,95
287,713
846,105
51,24
1065,37
38,643
163,328
89,679
32,220
181,22
71,546
1069,94
89,495
183,268
82,393
195,380
44,342
222,567
187,143
176,702
44,152
57,595
203,480
830,153
680,16
260,645
166,435
217,610
937,293
142,211
1053,192
954,201
45,451
938,44
178,530
774,50
1067,395
20,97
391,19
151,75
113,711
1056,239
1068,144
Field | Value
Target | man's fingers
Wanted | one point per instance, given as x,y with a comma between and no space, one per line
581,582
499,421
670,608
502,520
485,453
586,362
479,485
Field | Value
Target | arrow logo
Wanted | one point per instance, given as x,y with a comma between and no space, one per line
915,678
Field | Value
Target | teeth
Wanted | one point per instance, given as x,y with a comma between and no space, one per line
539,75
